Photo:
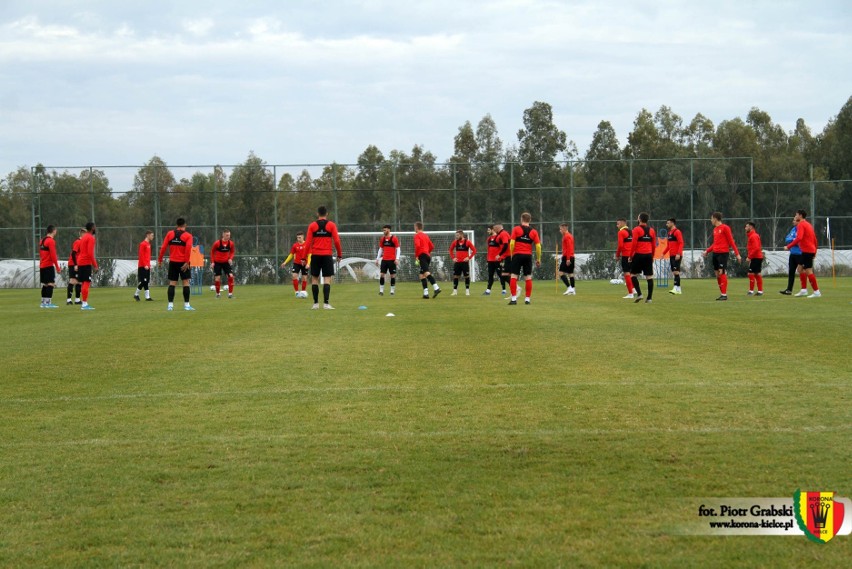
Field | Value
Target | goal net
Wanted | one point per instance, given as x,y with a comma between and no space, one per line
360,250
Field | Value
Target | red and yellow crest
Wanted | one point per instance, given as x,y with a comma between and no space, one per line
818,514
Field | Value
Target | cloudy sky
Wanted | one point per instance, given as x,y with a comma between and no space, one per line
206,82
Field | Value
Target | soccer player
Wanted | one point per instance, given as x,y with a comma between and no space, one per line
623,251
521,249
300,265
462,251
723,242
566,264
143,267
48,266
73,283
807,242
642,261
179,243
491,252
86,263
387,259
754,258
503,239
222,256
321,234
794,264
674,248
423,248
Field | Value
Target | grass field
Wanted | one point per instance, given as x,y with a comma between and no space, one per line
577,431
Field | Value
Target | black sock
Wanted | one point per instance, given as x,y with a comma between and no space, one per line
171,293
315,291
636,285
393,281
455,283
70,291
650,288
382,281
467,282
186,294
43,291
78,290
565,280
50,293
677,279
326,292
423,282
431,279
572,281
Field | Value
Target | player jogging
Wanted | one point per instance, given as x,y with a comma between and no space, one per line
807,242
143,267
462,251
674,249
642,261
178,241
222,256
423,248
723,242
48,266
754,258
387,259
300,265
566,263
86,263
74,284
623,251
523,239
321,235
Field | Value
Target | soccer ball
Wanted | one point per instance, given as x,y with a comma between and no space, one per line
212,287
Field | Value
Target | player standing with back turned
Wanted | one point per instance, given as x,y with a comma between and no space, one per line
423,248
179,243
48,266
521,245
321,235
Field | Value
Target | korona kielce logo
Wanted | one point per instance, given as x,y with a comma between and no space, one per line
818,514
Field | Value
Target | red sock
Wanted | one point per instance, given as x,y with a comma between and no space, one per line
528,288
231,284
85,293
218,286
803,278
719,282
725,285
759,282
751,280
296,285
812,279
513,286
304,285
629,282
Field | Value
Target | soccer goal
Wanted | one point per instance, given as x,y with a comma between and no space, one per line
361,248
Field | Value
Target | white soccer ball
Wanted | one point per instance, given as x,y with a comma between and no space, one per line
212,287
390,314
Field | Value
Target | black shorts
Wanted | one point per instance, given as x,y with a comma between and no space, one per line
522,265
219,268
642,263
388,267
175,272
425,261
322,264
84,273
143,275
755,266
299,269
808,260
675,264
494,267
461,268
625,265
795,260
72,273
47,275
566,266
720,261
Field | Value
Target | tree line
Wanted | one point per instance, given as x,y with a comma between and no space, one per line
669,167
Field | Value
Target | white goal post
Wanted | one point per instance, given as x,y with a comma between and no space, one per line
361,248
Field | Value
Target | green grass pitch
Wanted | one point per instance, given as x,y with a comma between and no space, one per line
577,431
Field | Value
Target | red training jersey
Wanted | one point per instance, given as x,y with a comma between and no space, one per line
567,245
422,244
754,246
75,250
493,248
86,254
462,250
222,251
674,243
179,244
321,234
524,237
299,252
503,238
144,255
805,238
388,246
625,243
47,253
723,240
644,240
